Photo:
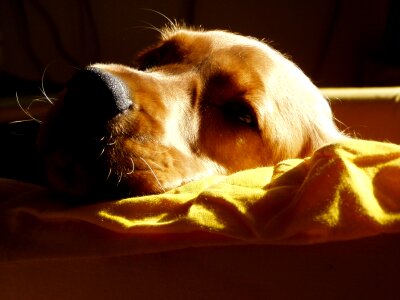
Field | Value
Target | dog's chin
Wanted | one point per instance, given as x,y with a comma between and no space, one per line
77,181
82,183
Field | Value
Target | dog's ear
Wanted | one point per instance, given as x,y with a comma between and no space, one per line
300,119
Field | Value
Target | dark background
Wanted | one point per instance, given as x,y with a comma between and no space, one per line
336,42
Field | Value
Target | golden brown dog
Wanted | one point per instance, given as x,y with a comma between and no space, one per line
197,103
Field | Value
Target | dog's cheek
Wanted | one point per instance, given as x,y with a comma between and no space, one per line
146,168
234,148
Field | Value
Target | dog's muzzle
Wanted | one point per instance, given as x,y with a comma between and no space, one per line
91,99
77,131
96,91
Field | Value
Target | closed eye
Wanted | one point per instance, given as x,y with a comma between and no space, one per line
240,113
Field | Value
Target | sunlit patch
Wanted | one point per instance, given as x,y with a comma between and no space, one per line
154,220
204,217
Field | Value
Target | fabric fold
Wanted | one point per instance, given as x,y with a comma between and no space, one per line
345,191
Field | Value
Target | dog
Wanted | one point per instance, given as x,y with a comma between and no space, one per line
196,103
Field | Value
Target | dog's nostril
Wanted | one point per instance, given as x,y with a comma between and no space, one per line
93,89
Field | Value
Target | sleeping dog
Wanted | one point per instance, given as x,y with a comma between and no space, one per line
197,103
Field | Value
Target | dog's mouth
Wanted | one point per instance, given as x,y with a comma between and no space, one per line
77,158
95,149
73,176
78,141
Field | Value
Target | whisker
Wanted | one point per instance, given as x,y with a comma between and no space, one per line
38,100
109,174
26,112
162,15
20,121
133,166
172,25
42,88
154,174
157,165
119,178
102,152
150,27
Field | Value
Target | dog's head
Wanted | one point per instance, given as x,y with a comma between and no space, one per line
197,103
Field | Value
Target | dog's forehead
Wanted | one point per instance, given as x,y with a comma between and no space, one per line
221,47
216,39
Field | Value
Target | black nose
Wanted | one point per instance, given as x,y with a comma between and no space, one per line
97,93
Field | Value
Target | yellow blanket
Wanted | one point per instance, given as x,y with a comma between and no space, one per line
344,191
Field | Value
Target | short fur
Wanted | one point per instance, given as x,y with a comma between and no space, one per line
204,102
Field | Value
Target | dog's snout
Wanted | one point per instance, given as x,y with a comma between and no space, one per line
93,89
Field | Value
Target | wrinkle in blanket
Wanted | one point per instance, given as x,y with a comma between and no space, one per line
348,190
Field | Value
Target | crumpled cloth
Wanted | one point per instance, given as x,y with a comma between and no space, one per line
349,190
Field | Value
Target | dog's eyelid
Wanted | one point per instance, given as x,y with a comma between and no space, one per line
241,111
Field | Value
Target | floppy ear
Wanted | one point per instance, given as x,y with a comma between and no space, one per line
300,119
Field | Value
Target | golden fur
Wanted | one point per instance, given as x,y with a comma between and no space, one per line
204,102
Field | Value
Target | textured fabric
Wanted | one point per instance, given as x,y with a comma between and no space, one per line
344,191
